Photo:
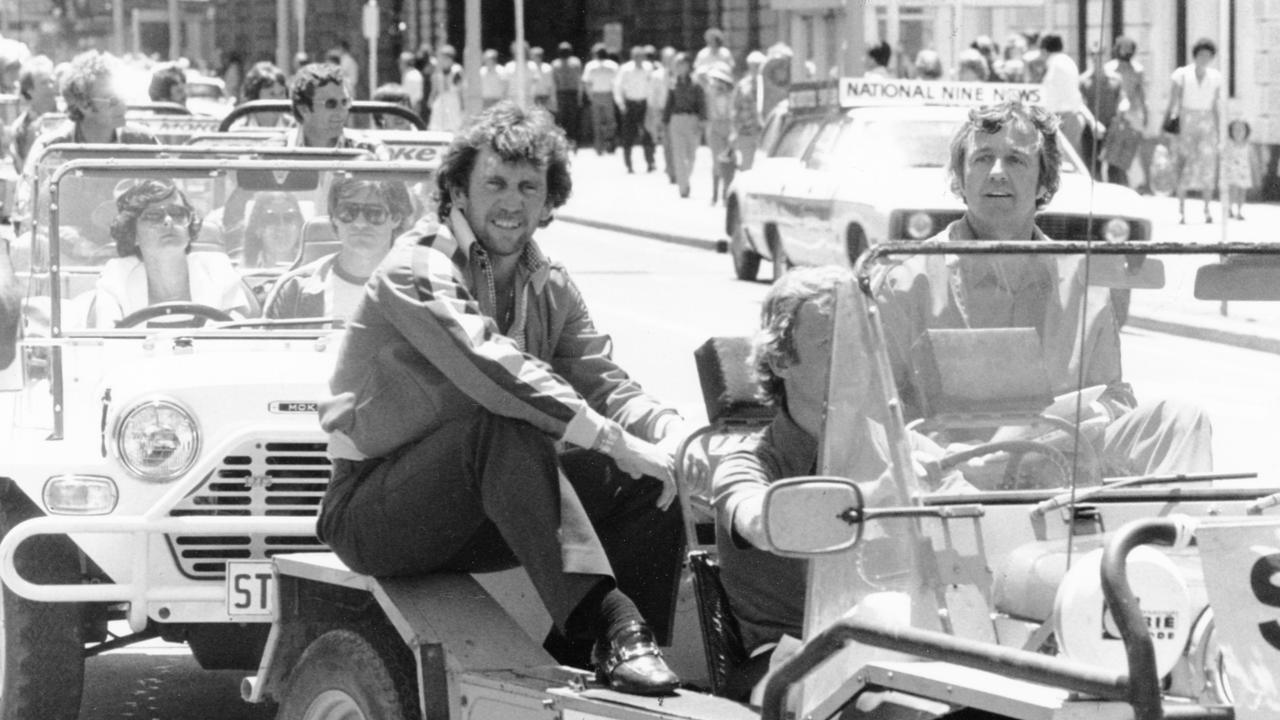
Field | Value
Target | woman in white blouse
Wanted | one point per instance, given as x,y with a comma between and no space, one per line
1195,101
153,230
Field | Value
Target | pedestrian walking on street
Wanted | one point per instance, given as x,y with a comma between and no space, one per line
658,87
412,81
598,76
1062,91
1102,93
446,91
720,130
1239,166
748,118
685,115
1195,102
631,95
714,54
662,87
566,73
1125,136
493,80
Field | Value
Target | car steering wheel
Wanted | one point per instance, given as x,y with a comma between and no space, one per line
151,312
1017,450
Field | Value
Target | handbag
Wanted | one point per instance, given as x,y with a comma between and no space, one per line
1172,124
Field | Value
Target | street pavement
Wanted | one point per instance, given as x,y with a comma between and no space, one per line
647,205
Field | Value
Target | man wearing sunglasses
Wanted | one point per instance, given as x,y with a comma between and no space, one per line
95,104
321,105
478,419
366,215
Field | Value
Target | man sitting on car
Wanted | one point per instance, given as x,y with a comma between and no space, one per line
1004,165
321,105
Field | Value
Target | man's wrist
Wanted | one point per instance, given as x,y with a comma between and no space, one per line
609,439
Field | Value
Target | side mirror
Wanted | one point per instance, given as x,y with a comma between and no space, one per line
812,516
1239,277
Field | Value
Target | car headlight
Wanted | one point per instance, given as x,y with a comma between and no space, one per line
158,440
919,225
1116,230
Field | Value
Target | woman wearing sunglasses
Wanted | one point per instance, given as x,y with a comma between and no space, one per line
153,231
274,231
366,216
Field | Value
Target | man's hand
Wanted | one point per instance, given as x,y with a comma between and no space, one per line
694,469
638,458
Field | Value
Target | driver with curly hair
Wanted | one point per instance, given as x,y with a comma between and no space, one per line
153,230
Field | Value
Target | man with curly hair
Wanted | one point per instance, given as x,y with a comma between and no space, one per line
478,420
95,104
1004,164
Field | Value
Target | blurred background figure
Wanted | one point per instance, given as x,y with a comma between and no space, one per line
1196,101
566,74
1013,68
991,54
713,54
658,86
877,60
1127,138
631,96
396,94
412,81
719,129
777,75
265,81
971,66
446,91
928,65
598,76
685,115
493,80
748,104
544,84
273,235
1101,91
38,88
168,84
1062,96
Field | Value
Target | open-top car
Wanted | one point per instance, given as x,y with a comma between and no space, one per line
158,458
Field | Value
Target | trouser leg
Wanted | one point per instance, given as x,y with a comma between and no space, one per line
747,145
474,496
1159,438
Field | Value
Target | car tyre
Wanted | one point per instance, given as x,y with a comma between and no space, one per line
42,658
343,675
781,264
746,262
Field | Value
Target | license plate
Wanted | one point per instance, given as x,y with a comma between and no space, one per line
251,588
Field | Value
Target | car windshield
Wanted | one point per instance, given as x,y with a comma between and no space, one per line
235,227
888,143
1000,358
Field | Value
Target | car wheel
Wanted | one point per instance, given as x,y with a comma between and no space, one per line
746,263
42,658
343,676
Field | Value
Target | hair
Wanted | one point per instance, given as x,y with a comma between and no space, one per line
880,53
713,33
682,57
392,92
32,68
928,64
392,192
775,342
333,57
260,77
974,61
1124,47
251,253
1051,42
310,78
1204,43
990,119
85,71
564,50
1239,122
163,79
131,203
600,51
516,135
448,51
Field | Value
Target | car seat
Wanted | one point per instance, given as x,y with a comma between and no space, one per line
318,240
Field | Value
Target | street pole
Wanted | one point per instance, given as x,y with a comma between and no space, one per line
471,58
371,30
300,16
282,34
1224,53
855,38
117,28
175,31
522,71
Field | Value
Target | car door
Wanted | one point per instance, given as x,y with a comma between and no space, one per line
809,192
760,189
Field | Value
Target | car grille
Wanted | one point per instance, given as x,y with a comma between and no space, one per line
1057,226
258,479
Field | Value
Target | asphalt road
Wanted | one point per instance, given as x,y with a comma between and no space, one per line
660,301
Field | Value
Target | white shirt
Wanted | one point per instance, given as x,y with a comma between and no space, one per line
341,297
1197,94
632,82
122,286
413,85
707,58
493,82
1062,84
599,74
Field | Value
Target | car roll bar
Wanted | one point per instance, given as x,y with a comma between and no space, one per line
358,107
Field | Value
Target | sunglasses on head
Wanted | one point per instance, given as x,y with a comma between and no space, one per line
375,214
177,214
335,103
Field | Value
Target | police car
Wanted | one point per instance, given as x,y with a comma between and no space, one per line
846,165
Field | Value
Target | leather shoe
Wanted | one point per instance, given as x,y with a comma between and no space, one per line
631,662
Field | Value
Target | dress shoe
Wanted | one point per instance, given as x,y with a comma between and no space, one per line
630,662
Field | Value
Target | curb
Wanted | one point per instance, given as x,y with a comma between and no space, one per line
1234,338
718,246
1164,325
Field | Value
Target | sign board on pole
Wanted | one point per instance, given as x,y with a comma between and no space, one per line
369,23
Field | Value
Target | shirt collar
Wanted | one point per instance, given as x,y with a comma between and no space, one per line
532,261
